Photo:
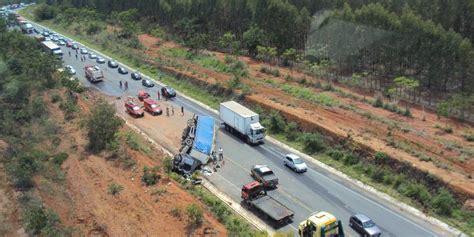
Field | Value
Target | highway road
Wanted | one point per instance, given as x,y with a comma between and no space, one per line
315,190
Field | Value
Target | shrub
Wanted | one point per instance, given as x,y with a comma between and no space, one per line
60,158
378,103
381,158
407,112
415,191
37,219
328,87
443,202
102,125
276,122
335,154
291,131
55,98
176,212
271,71
149,177
93,28
195,215
469,137
115,188
350,159
378,175
312,142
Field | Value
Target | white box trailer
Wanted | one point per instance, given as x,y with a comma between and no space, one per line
242,121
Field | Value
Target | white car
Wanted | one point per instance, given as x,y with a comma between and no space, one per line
295,163
92,56
70,70
84,51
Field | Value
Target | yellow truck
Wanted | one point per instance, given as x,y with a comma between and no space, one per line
321,224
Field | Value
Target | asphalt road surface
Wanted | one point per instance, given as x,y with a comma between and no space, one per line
315,190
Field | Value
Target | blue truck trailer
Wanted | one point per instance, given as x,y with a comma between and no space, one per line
197,145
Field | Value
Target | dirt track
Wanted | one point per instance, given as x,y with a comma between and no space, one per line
452,158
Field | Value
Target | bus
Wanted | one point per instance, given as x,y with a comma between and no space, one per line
52,48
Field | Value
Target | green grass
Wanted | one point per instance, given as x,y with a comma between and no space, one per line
307,94
211,63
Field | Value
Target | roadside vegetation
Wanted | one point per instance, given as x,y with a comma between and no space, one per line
26,127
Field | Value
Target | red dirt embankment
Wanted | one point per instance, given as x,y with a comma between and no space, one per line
84,201
412,140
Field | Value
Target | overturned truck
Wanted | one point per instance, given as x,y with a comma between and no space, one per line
197,145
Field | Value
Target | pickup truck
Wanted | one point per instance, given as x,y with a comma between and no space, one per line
254,196
264,175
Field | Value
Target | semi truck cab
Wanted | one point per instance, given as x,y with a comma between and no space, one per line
257,133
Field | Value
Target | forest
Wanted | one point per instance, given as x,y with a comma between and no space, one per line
428,42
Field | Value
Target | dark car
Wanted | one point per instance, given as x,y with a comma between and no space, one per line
100,60
364,225
168,92
36,31
45,33
136,76
122,70
147,83
112,64
264,175
74,46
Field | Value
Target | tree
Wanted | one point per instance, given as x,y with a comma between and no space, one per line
229,42
150,177
102,125
404,85
291,57
252,38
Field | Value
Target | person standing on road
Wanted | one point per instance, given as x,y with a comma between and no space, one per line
126,85
172,110
167,111
120,84
158,94
182,110
69,53
82,59
221,154
76,56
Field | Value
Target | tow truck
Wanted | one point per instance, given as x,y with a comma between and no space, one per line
321,224
93,73
255,196
151,106
133,109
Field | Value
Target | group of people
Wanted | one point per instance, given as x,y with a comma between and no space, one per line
125,84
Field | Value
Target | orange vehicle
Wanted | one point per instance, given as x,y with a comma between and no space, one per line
143,95
152,107
133,108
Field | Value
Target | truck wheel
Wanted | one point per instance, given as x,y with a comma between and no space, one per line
188,142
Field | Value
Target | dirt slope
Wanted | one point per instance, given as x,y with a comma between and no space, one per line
448,156
84,202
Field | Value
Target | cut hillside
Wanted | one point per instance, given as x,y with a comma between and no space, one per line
84,201
434,146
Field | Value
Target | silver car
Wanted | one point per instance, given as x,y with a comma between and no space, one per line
364,225
295,163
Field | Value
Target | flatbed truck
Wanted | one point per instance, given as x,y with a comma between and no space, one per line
255,197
